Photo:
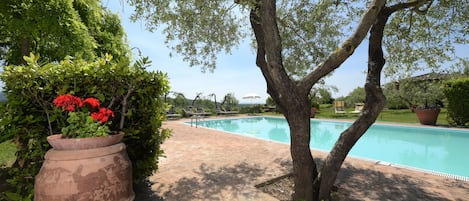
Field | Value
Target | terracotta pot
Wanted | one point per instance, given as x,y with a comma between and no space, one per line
59,143
90,174
427,116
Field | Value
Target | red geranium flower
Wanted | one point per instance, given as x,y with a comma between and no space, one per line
83,122
103,115
68,102
92,102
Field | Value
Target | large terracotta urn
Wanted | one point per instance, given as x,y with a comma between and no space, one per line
102,172
427,116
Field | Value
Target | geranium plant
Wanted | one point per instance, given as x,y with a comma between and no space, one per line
85,117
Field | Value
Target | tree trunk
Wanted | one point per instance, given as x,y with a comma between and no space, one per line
25,49
374,103
22,143
291,96
291,99
304,167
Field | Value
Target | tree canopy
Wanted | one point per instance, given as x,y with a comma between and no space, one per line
414,40
57,28
424,38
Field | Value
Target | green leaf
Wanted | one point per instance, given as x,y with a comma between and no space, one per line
13,196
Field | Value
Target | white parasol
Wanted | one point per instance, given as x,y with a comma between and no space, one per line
251,96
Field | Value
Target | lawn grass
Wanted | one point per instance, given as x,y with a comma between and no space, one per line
326,111
7,153
391,116
406,116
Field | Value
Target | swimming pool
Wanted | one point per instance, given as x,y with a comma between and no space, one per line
433,149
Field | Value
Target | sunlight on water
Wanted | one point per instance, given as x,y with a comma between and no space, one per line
441,150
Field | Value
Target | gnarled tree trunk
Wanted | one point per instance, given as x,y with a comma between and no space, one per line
291,96
374,104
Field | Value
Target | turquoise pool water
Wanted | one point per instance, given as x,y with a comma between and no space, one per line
433,149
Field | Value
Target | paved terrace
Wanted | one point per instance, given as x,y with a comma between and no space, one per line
204,164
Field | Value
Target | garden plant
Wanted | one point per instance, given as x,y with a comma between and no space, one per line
29,114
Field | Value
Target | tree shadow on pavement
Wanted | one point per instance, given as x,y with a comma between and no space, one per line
370,182
224,183
358,184
143,192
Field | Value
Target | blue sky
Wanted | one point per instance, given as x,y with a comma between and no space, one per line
235,73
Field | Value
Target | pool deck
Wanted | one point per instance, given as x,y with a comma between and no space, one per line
204,164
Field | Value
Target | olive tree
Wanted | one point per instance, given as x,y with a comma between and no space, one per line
229,101
180,100
298,42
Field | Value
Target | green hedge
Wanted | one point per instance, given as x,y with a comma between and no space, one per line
28,116
457,94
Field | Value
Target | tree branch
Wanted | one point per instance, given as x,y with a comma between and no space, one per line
374,103
261,61
336,58
416,4
43,106
124,106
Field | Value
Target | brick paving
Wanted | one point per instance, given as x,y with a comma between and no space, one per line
204,164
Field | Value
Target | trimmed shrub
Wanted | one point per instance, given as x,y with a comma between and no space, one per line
130,91
457,94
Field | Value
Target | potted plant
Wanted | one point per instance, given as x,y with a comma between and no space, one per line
424,98
87,161
86,119
423,94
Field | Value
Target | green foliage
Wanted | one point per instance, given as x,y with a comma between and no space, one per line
180,101
322,93
200,30
134,94
206,102
296,36
315,105
82,125
423,41
56,28
300,32
270,101
356,96
424,91
457,93
7,153
425,94
393,99
201,35
394,115
85,116
325,96
230,102
251,109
